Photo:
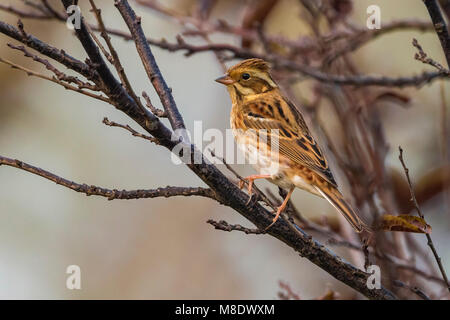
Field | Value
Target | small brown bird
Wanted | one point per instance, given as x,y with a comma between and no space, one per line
270,129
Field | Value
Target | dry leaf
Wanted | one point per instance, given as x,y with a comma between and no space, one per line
404,223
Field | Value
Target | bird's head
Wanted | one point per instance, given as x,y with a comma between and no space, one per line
248,77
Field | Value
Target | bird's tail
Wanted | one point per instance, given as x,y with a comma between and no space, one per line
333,195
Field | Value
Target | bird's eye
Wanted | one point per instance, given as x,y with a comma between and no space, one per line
245,76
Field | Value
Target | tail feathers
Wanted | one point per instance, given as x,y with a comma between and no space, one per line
337,200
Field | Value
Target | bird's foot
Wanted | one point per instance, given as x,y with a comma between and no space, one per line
277,215
250,180
280,209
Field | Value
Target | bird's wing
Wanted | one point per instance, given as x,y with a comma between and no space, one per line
294,139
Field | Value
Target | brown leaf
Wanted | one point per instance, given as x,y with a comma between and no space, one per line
404,223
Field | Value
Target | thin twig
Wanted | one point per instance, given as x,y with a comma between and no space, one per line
281,62
394,261
157,112
225,226
54,53
419,212
114,57
24,14
287,64
52,11
59,74
418,291
154,74
131,130
110,194
422,56
439,26
302,45
55,80
113,88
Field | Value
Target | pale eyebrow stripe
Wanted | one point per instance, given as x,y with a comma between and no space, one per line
266,77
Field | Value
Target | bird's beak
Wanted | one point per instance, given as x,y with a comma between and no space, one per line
225,79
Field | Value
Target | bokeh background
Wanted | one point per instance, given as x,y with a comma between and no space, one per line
160,248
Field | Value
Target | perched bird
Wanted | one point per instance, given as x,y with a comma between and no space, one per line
266,125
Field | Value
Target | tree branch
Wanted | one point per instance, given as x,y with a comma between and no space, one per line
47,50
287,64
25,14
131,130
225,226
440,26
423,57
150,66
419,212
116,92
111,194
113,56
416,290
54,80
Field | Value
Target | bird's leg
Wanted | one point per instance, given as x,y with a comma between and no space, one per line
281,208
250,180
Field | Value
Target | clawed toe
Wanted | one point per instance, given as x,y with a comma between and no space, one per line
280,209
250,185
250,180
254,197
273,221
250,198
250,192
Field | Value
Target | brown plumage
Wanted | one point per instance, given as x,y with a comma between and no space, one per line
270,129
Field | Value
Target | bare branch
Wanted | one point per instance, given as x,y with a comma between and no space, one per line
49,51
123,100
59,74
55,80
419,292
53,11
303,45
422,56
281,62
157,112
113,194
114,57
419,212
131,130
395,262
225,226
24,14
134,25
440,26
287,64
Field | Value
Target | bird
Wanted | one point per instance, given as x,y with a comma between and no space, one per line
269,128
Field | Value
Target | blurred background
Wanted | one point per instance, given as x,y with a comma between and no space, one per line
163,248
